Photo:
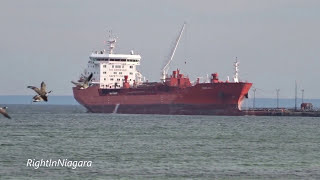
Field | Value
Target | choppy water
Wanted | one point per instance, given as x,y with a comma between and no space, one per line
157,146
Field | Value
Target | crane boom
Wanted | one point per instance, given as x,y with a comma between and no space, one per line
166,67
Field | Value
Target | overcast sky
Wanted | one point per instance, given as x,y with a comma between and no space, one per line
276,41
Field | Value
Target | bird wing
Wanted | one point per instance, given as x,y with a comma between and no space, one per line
88,79
37,97
37,90
4,113
77,84
43,87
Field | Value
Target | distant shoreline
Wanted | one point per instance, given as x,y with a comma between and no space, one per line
248,103
27,99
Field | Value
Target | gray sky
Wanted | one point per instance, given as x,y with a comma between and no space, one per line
276,41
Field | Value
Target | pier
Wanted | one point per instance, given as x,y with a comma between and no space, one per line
281,112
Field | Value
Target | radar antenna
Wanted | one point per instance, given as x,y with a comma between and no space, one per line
166,67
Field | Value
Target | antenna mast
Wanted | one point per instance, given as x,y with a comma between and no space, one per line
277,98
295,96
166,67
254,97
111,42
236,71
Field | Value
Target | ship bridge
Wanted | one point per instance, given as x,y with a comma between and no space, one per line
133,59
109,69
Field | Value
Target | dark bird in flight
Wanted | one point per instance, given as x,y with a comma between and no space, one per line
84,84
42,93
3,111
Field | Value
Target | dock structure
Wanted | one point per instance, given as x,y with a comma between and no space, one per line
281,112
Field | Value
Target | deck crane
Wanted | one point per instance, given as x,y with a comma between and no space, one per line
166,67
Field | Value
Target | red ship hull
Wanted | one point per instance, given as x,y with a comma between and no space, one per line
221,98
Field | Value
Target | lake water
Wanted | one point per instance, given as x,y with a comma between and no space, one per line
157,146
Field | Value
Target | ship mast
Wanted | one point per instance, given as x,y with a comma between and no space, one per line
166,67
111,42
236,71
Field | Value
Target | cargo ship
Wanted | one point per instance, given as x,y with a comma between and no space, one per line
117,86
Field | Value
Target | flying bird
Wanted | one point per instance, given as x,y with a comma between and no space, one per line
3,111
42,93
84,84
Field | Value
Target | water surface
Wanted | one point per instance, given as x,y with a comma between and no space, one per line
157,146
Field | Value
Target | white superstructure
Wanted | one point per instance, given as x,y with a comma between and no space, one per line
109,69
